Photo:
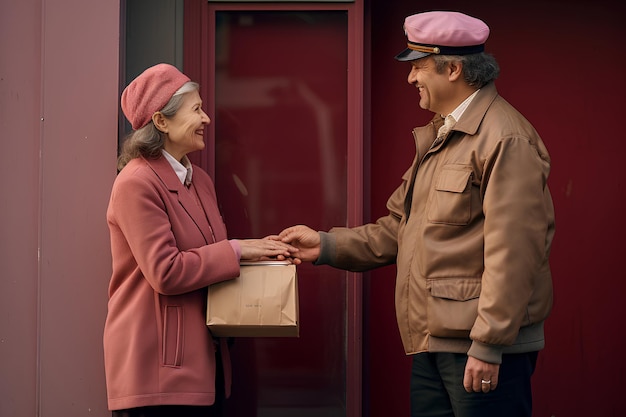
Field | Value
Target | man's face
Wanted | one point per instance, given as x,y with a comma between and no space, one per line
434,88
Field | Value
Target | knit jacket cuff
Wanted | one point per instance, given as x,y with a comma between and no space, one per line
486,353
327,249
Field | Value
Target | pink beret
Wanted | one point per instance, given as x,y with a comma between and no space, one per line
150,92
445,33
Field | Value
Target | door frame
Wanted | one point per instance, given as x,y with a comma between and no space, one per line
199,52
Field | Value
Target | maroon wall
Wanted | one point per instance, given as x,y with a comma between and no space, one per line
58,115
562,67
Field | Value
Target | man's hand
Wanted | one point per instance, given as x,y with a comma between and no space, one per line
305,239
480,376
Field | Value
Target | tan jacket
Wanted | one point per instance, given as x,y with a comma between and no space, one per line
470,230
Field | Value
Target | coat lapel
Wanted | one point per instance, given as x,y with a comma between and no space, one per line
185,196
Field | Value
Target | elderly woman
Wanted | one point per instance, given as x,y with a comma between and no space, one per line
168,243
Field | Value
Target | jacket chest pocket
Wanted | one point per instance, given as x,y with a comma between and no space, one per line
451,199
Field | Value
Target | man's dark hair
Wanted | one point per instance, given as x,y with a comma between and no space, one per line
478,69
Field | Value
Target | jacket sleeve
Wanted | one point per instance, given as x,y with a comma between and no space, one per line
368,246
518,218
139,212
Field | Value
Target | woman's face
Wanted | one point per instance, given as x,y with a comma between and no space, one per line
185,130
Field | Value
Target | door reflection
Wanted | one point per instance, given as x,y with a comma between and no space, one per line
281,150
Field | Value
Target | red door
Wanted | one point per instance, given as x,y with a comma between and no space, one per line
280,84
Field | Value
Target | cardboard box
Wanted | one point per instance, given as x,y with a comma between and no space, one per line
261,302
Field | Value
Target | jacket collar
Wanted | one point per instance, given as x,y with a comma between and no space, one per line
468,124
473,116
165,173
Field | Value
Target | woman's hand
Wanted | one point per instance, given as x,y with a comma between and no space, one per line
265,249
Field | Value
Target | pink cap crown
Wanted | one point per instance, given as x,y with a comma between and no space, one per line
150,92
446,33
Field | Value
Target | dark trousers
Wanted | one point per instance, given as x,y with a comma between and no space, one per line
437,387
167,411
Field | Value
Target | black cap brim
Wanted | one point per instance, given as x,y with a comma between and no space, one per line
410,55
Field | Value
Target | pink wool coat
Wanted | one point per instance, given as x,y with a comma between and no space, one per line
168,244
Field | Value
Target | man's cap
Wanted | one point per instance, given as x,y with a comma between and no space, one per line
150,92
443,33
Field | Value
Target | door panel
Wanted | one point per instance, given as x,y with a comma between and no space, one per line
280,123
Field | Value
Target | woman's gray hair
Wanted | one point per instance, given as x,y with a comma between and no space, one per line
478,69
148,141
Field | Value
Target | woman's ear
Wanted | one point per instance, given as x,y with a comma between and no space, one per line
160,121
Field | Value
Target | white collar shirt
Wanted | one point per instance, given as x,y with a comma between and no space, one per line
458,112
183,170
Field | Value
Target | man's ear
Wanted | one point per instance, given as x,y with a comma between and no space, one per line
455,69
160,121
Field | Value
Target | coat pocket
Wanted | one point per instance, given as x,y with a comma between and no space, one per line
173,336
452,306
451,197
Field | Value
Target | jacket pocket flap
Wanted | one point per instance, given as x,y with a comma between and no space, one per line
459,289
453,180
